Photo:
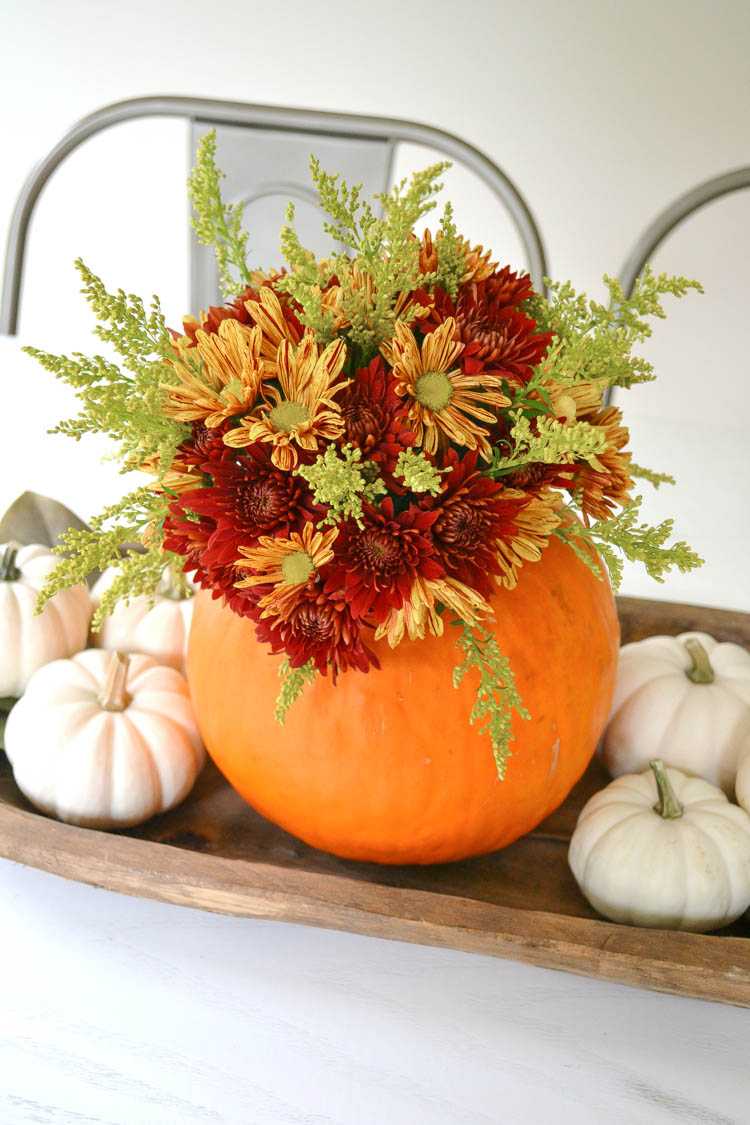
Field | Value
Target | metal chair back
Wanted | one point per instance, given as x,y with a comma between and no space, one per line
264,152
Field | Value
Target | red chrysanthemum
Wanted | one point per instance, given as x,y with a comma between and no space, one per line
203,445
187,535
320,628
375,564
499,338
469,517
249,497
480,524
507,288
375,418
503,343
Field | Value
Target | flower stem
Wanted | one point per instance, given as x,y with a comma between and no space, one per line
9,572
700,671
667,806
114,696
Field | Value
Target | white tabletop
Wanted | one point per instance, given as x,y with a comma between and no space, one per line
128,1012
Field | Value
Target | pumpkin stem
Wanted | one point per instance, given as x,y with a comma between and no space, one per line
168,587
667,806
700,671
114,696
9,572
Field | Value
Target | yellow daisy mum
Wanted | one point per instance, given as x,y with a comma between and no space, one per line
531,527
445,404
287,564
219,377
303,410
268,316
419,614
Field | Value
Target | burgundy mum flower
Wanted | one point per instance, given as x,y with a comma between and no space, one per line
469,517
189,536
375,565
249,497
499,338
505,288
501,342
204,445
481,526
320,628
375,418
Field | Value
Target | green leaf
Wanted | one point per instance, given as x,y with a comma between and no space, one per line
34,518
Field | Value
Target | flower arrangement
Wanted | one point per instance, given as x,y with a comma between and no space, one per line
364,446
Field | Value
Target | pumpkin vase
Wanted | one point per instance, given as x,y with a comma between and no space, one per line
386,767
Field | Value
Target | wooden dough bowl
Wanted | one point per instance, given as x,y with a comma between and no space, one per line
214,853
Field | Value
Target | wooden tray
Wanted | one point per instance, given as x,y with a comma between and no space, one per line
216,854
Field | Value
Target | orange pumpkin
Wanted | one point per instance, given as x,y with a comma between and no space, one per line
385,766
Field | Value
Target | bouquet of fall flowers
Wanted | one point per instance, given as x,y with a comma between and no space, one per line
364,446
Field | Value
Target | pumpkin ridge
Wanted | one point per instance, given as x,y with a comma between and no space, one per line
720,868
612,827
126,722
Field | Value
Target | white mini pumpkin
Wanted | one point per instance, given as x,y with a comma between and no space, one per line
742,782
158,626
104,740
685,699
27,639
663,849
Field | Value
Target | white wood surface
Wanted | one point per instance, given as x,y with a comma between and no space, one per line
128,1012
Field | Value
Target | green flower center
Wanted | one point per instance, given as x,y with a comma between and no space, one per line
297,568
287,416
434,390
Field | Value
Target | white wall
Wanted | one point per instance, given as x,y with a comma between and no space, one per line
602,112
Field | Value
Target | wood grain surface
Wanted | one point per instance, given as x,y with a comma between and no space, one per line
217,854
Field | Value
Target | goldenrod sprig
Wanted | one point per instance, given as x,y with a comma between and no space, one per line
549,442
419,474
125,402
305,281
216,223
126,536
380,262
595,341
497,696
342,483
451,255
623,537
653,478
293,683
